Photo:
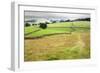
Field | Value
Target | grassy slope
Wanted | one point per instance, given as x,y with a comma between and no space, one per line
68,24
51,30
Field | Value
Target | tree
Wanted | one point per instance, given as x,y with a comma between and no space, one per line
34,24
43,25
27,24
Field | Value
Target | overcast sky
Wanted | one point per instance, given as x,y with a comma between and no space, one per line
29,15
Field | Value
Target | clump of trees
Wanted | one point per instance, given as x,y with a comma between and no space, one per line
65,20
34,24
83,19
27,24
43,25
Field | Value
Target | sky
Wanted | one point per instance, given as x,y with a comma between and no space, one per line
31,15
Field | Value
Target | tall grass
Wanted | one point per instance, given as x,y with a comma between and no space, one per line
56,47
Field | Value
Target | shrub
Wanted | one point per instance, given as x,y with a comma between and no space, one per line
43,25
27,24
53,21
34,24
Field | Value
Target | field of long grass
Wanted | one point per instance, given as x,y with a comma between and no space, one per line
65,43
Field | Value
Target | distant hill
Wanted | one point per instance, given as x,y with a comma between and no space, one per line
82,19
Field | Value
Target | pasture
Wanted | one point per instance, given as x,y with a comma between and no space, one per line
61,40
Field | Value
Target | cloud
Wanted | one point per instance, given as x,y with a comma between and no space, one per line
52,15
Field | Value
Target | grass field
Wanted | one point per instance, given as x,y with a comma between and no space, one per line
63,27
61,45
